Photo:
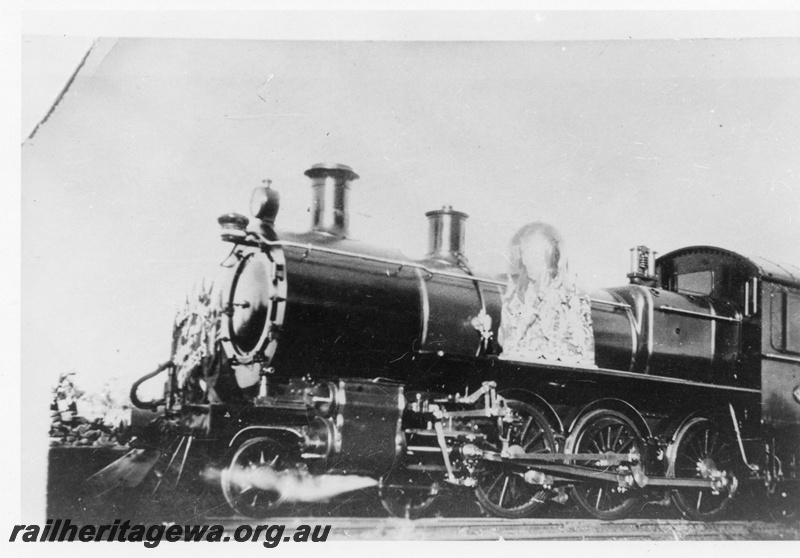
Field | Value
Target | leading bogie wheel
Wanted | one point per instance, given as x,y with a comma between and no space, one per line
405,496
501,490
702,449
784,502
252,482
605,431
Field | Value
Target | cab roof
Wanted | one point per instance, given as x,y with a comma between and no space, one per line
756,266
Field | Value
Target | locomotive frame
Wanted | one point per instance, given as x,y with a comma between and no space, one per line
359,361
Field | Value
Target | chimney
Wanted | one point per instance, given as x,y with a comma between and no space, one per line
330,185
446,235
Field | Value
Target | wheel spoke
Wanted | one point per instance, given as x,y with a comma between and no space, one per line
513,492
537,437
616,438
494,484
722,455
689,459
693,454
713,444
525,429
503,492
601,447
626,445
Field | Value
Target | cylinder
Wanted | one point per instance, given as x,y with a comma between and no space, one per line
446,235
330,185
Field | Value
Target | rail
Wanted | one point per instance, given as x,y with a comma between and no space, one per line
450,528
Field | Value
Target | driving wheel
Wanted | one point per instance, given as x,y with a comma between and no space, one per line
501,490
605,431
702,449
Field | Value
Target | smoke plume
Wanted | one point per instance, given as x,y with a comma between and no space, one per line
292,485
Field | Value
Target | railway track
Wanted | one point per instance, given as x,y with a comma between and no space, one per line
475,529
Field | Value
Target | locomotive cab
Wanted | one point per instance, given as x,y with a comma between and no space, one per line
711,272
725,283
768,297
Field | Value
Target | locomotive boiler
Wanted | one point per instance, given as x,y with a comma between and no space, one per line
330,355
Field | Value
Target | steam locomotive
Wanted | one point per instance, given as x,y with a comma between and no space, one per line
332,356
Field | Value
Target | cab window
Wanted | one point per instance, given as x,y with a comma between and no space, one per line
785,314
696,283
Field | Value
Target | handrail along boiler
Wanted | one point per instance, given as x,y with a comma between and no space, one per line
339,357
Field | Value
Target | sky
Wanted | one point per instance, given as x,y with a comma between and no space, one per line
669,138
662,143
